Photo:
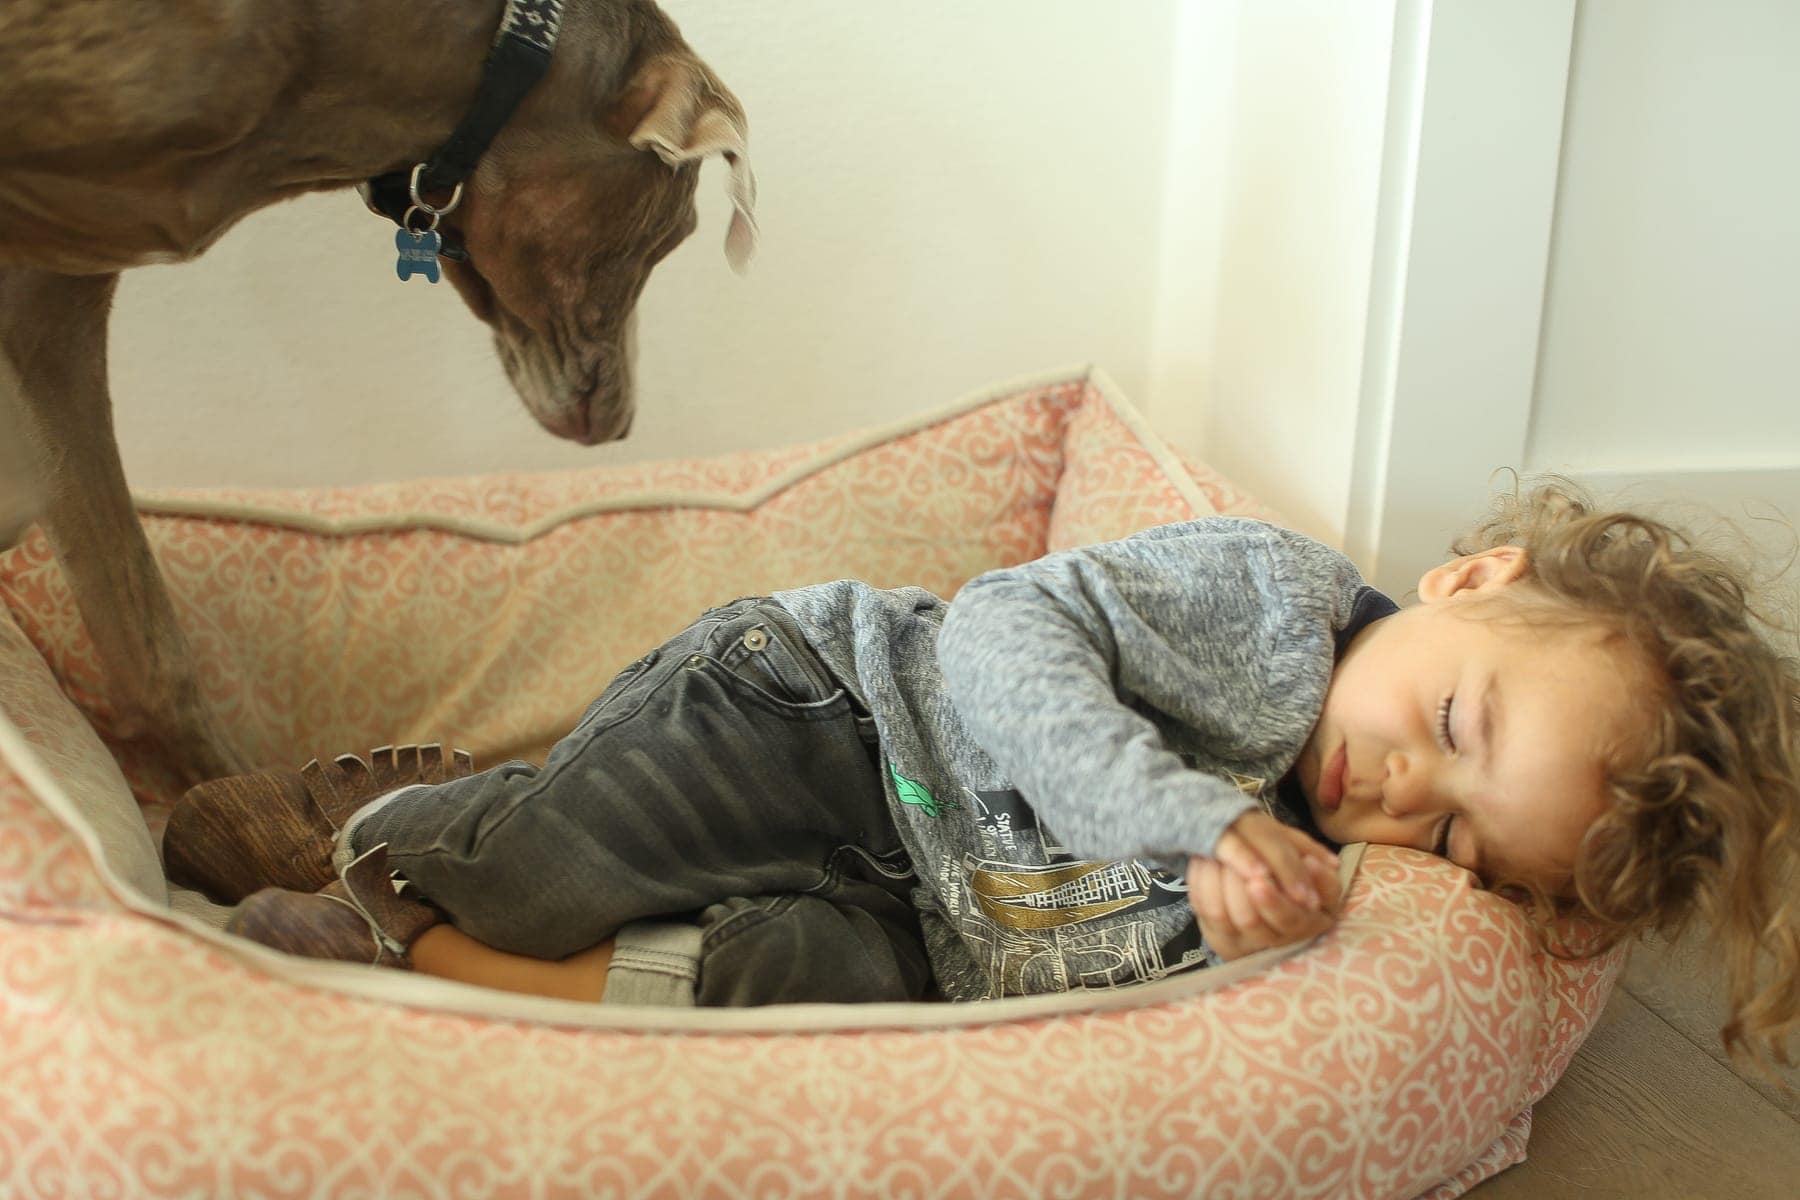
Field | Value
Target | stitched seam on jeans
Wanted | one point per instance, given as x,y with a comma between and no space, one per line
881,864
651,958
624,679
785,631
787,653
748,916
343,850
674,665
648,970
786,673
635,708
833,707
686,971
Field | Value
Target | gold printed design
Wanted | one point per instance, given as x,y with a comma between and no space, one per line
1251,785
1050,897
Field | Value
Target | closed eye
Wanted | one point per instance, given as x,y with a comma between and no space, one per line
1442,847
1443,725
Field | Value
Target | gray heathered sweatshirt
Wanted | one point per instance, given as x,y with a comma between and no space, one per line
1059,739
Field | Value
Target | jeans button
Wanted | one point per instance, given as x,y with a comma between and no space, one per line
755,639
696,660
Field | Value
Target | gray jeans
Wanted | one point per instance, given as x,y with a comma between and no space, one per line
725,779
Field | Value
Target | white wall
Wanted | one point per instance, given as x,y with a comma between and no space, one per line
1269,235
1310,238
1412,242
1669,369
1469,169
951,194
1672,321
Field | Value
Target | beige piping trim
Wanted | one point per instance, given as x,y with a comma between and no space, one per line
156,503
439,995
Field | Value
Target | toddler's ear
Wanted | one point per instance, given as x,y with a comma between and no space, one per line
1473,573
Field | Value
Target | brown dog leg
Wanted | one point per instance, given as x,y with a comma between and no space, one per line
53,329
21,480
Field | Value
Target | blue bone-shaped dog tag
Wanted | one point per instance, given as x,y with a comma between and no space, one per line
418,254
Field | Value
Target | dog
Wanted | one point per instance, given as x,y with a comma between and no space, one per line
139,133
20,490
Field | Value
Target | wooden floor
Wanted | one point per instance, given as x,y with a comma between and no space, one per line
1650,1108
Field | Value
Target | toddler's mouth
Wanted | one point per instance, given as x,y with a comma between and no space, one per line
1331,779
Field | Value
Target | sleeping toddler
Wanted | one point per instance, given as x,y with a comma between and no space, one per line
1104,766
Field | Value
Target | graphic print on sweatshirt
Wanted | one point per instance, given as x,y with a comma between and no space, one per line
1042,920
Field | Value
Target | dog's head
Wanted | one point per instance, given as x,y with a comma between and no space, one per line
586,190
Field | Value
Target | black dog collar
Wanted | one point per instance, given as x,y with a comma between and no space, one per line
519,58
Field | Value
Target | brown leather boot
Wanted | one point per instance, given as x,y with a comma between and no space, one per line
230,837
358,918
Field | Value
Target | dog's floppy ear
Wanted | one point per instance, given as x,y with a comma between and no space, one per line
678,109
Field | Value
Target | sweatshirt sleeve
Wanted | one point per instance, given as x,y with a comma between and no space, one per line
1056,666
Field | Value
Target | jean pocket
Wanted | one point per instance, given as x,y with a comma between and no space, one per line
750,682
769,657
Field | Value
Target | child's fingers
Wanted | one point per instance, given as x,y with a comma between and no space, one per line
1239,917
1277,910
1307,846
1272,843
1287,921
1325,878
1318,851
1207,895
1321,865
1203,887
1258,846
1197,870
1237,854
1246,922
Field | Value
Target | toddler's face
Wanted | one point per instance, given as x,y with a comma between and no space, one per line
1472,734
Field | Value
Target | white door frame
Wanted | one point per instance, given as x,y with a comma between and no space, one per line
1470,162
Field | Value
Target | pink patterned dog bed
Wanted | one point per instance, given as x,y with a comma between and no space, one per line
146,1054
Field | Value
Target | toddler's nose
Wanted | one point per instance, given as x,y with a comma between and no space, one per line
1406,790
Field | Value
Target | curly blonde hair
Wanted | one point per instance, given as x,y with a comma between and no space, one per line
1705,819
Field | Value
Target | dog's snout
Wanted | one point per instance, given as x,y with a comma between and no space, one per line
589,424
612,426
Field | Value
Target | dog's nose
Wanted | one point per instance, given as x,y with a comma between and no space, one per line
611,427
587,425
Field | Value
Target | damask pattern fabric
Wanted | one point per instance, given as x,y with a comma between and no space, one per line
147,1055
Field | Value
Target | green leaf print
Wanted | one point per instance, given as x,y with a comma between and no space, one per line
911,791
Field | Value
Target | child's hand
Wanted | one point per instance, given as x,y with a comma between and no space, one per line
1240,916
1257,846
